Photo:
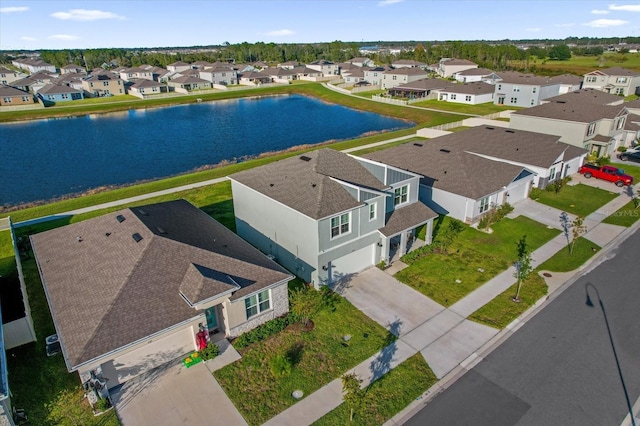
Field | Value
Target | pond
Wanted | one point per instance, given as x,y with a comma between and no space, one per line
46,159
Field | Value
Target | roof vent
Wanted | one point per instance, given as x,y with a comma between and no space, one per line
417,144
305,158
509,131
313,185
161,230
489,128
270,184
120,218
561,102
79,238
445,150
137,237
106,234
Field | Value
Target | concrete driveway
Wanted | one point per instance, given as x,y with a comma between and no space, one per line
173,395
389,302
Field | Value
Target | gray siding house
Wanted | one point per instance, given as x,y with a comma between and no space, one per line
617,81
128,291
527,90
326,215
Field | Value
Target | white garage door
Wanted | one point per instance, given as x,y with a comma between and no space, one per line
148,356
352,263
519,191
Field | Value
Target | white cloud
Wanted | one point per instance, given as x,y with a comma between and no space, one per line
567,25
600,12
388,2
27,38
279,33
625,7
64,37
86,15
12,9
605,23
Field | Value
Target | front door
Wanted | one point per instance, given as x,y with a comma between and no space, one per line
500,100
212,320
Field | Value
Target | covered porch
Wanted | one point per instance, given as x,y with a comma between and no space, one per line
399,236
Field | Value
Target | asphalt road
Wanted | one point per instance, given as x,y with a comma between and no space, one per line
559,368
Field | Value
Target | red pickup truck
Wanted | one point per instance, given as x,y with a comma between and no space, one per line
610,173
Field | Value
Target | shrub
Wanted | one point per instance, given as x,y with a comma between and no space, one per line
305,303
494,215
210,352
602,161
484,222
102,404
382,265
265,330
280,366
535,193
417,254
622,149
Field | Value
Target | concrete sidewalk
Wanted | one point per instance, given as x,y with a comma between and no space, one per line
447,340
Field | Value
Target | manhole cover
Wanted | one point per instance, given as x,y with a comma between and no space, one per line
297,394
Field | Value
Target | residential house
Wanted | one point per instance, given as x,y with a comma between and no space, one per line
455,182
616,80
33,65
467,93
325,215
35,81
407,63
59,93
224,75
10,96
361,62
326,67
8,76
253,78
103,83
353,77
288,65
159,74
591,96
73,80
526,90
305,73
375,75
397,77
473,75
600,129
420,88
144,87
178,67
447,67
136,73
72,69
189,83
129,290
280,75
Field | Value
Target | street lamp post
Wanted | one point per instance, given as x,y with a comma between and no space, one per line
589,302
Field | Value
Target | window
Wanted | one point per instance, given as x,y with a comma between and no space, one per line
499,86
516,88
400,195
592,79
532,102
395,77
620,123
467,98
552,174
340,225
534,89
25,98
7,100
453,96
372,211
619,91
257,303
621,80
484,204
514,100
592,129
105,83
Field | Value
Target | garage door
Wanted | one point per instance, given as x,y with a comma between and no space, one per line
519,192
352,263
148,356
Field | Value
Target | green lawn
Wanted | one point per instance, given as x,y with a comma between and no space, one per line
580,199
630,169
386,396
580,65
626,215
502,310
7,259
319,355
563,261
473,259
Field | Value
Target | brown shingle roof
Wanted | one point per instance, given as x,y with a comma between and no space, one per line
478,88
580,112
106,290
449,169
587,95
427,84
413,215
615,71
307,183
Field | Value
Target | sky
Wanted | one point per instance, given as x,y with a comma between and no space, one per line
35,24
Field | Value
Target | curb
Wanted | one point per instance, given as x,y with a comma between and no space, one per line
472,360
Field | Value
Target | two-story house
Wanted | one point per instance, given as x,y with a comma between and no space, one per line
33,65
178,66
447,67
136,73
327,68
224,75
477,74
408,63
400,76
8,76
72,69
527,90
102,83
616,80
598,128
325,215
374,75
361,62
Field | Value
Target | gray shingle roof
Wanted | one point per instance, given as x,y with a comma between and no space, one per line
57,88
9,91
445,167
580,112
478,88
476,71
413,215
310,186
105,290
615,71
427,84
587,95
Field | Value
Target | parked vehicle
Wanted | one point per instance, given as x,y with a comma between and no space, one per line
610,173
630,156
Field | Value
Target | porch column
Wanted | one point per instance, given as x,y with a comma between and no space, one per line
403,243
429,234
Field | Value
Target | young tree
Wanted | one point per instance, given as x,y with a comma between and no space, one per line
449,234
578,228
523,264
354,395
305,303
565,223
